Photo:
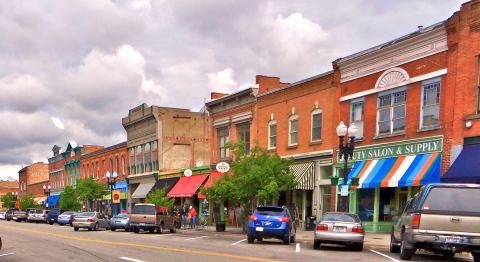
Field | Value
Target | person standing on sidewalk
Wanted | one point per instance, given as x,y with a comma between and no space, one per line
193,214
183,213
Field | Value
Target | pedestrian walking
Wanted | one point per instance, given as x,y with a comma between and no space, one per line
193,216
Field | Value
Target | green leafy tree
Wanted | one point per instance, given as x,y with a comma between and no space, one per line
69,199
8,200
27,201
258,176
159,197
89,190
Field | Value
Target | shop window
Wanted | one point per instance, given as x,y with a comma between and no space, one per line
316,125
391,112
357,108
326,198
223,138
387,208
243,134
366,202
293,131
272,134
430,103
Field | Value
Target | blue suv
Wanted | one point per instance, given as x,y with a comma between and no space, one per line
271,222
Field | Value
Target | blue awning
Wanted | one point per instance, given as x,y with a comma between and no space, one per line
52,201
122,186
466,168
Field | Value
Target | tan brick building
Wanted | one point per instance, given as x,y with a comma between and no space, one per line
7,187
31,180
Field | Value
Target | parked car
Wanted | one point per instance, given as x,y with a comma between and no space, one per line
150,217
64,218
19,216
120,221
271,222
2,215
339,228
442,218
91,221
70,222
31,213
53,215
39,217
9,213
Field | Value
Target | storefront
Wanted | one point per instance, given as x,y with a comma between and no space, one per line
389,174
122,204
466,167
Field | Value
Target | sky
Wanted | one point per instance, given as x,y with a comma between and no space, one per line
70,70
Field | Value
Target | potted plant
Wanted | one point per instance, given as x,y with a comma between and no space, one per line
334,180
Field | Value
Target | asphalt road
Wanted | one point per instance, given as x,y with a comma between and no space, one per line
42,242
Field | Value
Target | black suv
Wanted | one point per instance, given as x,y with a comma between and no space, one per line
9,213
53,214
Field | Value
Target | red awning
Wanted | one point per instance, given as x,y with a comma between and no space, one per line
187,186
214,175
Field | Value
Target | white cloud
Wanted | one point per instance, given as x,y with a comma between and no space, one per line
58,122
222,81
9,171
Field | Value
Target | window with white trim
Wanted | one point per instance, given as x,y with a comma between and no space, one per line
430,103
391,112
356,115
243,134
272,134
293,130
316,134
223,138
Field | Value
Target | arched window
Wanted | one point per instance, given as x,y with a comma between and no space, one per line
293,130
147,157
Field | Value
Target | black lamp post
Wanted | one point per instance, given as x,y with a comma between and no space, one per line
15,196
46,191
346,148
111,180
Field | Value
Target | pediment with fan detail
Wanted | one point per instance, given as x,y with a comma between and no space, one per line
393,76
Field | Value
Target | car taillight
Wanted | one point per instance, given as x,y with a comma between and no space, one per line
284,219
322,227
253,218
358,229
416,220
91,220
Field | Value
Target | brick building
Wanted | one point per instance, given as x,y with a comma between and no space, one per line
31,180
109,159
7,187
296,121
162,142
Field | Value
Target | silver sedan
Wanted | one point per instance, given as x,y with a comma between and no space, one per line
339,228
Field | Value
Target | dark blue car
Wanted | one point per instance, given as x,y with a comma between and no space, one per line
271,222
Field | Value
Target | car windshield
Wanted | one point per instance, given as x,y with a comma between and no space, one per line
87,214
144,209
269,211
453,199
121,216
67,213
341,218
39,212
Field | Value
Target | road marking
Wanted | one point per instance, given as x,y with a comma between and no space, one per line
131,259
381,254
238,242
195,238
145,246
297,247
8,254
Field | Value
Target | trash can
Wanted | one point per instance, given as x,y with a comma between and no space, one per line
310,223
219,224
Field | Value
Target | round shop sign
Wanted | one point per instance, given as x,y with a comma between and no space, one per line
187,172
116,197
223,167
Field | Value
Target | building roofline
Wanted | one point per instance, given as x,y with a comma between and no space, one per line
296,83
231,96
105,149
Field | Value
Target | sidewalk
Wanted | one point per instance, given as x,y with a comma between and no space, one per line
375,240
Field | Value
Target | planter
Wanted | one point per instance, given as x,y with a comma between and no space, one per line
220,227
334,180
354,181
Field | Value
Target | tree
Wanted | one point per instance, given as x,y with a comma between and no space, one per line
8,200
69,199
260,175
27,201
159,197
89,190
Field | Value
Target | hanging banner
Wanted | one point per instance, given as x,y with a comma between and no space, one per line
116,196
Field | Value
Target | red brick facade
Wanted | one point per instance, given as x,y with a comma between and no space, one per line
32,175
112,159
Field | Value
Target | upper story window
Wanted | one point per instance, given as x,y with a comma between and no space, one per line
223,138
124,170
430,103
111,165
356,115
243,134
96,169
293,130
147,157
139,155
88,169
316,125
117,169
272,134
391,112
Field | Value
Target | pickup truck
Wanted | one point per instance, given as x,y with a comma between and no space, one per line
153,218
441,218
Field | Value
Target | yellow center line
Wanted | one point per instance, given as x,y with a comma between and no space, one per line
163,248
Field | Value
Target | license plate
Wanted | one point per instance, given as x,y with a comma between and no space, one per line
453,239
117,222
339,229
259,229
142,224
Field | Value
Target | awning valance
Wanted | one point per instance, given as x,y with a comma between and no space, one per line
304,175
142,190
52,201
166,183
399,171
215,175
187,186
466,168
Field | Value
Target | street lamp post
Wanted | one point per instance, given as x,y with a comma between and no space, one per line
111,179
46,191
346,148
15,195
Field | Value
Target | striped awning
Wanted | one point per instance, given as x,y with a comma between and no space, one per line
399,171
304,175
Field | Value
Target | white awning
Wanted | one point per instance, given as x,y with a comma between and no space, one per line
142,190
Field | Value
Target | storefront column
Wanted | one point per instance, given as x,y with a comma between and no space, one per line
376,209
352,206
304,207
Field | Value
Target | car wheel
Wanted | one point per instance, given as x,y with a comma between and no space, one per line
250,239
174,229
448,254
394,247
292,239
112,229
260,238
160,229
76,228
476,256
51,222
405,253
287,239
316,244
127,229
136,230
95,228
